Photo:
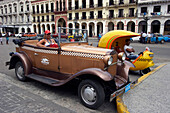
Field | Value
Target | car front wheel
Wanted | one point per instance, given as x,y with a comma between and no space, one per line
162,41
145,71
91,93
19,71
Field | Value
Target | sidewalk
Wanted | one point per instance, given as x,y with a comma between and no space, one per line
17,100
151,95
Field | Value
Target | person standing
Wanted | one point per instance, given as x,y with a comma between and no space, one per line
149,38
1,38
7,37
156,35
84,36
144,36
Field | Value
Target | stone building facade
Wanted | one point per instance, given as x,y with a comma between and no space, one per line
15,16
154,16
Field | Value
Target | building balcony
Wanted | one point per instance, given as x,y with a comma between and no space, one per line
132,2
69,18
130,15
83,18
21,12
27,12
63,11
14,13
110,17
99,17
90,17
155,14
91,6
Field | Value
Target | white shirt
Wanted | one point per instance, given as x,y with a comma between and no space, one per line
48,43
144,35
149,35
128,47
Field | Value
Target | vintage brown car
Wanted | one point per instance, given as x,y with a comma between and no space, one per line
99,71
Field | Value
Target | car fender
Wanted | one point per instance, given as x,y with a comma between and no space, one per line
21,56
104,75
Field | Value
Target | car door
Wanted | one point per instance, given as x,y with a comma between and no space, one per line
46,59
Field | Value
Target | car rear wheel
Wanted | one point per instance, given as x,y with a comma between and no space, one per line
162,41
19,71
91,93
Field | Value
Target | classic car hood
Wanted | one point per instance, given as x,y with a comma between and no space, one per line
86,49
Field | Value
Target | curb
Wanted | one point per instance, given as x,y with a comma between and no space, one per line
121,107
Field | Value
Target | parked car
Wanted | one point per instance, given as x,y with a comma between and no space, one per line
3,34
19,35
98,71
63,35
137,38
76,37
162,39
12,35
29,35
168,37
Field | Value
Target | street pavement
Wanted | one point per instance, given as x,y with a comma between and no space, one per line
17,100
152,95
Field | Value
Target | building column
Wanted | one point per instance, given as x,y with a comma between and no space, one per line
115,26
95,29
125,27
162,29
80,4
66,4
49,6
74,27
80,27
44,7
73,3
136,29
148,26
87,29
62,5
104,27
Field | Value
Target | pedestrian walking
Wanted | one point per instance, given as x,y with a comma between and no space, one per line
1,38
7,37
149,37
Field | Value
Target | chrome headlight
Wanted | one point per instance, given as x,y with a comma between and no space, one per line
109,62
121,56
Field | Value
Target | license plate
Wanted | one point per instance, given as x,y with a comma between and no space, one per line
127,88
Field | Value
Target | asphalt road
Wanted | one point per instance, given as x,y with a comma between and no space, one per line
66,96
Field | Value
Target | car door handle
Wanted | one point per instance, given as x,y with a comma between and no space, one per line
35,54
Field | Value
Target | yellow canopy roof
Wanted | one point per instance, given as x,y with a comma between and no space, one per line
107,39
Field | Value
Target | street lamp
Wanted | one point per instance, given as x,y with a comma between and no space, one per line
146,18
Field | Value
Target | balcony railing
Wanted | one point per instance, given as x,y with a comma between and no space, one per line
83,18
156,13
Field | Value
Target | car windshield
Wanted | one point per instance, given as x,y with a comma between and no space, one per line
69,35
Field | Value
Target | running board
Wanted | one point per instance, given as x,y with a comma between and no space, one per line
43,79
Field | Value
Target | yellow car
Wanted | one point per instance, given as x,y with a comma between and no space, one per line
116,39
76,37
